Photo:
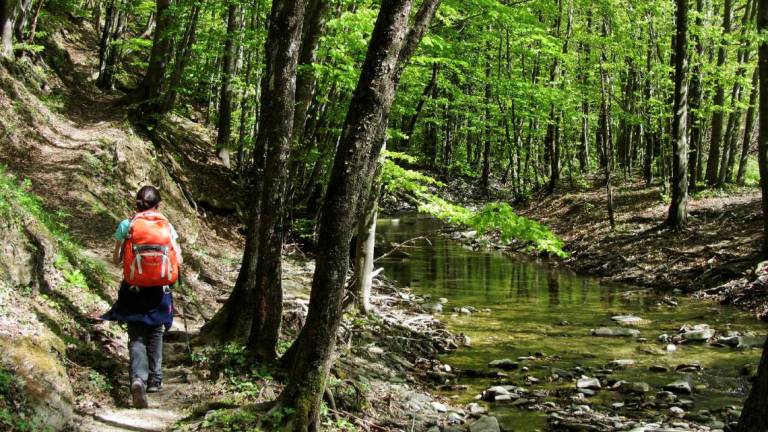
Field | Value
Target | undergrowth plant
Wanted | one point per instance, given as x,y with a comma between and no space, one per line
493,218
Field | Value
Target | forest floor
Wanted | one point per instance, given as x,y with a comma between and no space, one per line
714,256
81,156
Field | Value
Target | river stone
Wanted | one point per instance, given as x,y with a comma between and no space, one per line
630,320
658,368
615,332
622,363
697,333
750,341
588,383
434,308
634,387
475,409
677,412
506,364
439,407
689,367
679,387
485,424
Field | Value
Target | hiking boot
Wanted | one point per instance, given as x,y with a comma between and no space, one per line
139,394
154,387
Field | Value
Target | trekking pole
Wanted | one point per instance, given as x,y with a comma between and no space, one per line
184,304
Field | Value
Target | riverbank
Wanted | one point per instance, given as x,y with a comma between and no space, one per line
715,256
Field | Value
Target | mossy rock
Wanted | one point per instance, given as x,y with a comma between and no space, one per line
37,366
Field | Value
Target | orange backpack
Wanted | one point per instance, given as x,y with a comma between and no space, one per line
149,258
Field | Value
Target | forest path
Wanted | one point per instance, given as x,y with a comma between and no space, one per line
166,407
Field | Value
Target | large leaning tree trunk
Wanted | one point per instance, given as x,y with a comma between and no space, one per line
246,309
754,415
390,47
278,98
151,88
678,208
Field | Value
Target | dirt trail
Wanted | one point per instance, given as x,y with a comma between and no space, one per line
167,407
74,154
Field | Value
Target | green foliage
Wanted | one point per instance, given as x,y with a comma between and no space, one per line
99,382
497,218
752,172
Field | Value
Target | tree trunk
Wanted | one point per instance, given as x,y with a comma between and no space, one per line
278,98
486,171
696,99
305,77
151,88
754,415
229,58
719,100
183,53
749,125
428,90
364,248
678,208
605,129
7,8
359,147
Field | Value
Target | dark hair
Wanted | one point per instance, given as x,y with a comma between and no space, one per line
148,197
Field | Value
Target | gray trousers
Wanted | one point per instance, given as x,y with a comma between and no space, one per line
145,345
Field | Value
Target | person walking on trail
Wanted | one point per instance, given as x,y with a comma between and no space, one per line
147,246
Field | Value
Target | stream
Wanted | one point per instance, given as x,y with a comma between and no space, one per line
529,309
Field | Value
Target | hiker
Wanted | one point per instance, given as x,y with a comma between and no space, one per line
147,246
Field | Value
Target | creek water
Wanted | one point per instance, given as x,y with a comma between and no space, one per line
526,307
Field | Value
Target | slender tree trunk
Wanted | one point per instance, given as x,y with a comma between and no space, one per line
228,68
183,53
364,248
305,77
605,129
359,146
678,208
719,101
486,170
749,125
696,99
428,90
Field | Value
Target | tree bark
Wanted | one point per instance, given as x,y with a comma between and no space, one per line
183,53
696,99
754,415
228,70
749,125
678,208
719,100
278,98
388,51
305,77
7,8
151,88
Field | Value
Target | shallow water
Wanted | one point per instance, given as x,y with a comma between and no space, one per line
528,303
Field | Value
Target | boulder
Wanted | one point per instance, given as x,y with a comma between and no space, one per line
485,424
676,412
615,332
750,341
679,387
